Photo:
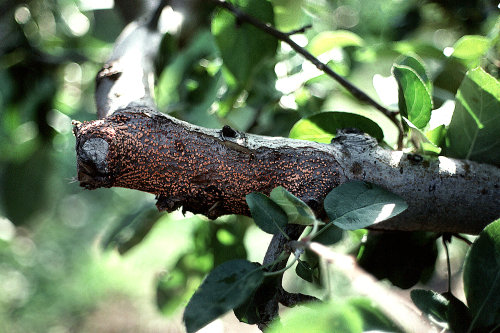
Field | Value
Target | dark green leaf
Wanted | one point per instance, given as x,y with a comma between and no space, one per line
267,214
248,311
132,230
322,127
298,211
404,258
243,47
431,304
356,205
482,277
457,313
304,270
329,234
473,131
415,101
225,288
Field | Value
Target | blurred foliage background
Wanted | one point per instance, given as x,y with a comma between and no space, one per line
106,260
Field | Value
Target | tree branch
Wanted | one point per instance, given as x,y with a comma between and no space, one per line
209,171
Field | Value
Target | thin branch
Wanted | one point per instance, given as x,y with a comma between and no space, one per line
285,37
299,31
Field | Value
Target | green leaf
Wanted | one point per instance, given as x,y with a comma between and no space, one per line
132,230
473,131
327,40
432,304
374,319
471,47
322,127
225,287
417,64
357,204
304,271
298,211
403,258
325,317
329,234
423,143
482,277
267,214
243,47
415,101
457,313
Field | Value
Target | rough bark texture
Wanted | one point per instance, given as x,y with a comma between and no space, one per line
210,171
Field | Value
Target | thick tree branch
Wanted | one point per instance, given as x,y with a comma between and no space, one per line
209,171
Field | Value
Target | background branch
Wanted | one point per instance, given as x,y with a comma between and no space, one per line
285,37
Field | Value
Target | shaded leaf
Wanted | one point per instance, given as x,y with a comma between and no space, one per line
225,287
415,101
322,127
432,304
473,131
298,211
482,277
267,214
304,270
357,204
243,47
404,258
457,313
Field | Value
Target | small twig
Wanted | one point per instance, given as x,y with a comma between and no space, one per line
462,238
448,264
299,31
285,37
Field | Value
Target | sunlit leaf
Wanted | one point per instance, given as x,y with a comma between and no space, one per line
471,47
356,205
417,64
267,214
225,287
415,101
423,143
327,40
473,131
326,317
482,277
322,127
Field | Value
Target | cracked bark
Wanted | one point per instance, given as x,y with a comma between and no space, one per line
209,171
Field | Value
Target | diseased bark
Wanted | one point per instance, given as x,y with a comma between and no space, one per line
210,171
